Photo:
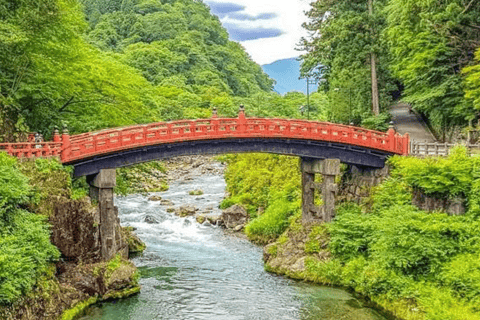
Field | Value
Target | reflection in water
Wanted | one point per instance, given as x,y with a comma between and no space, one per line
192,271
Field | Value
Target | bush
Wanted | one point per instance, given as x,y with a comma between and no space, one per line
25,248
273,222
253,179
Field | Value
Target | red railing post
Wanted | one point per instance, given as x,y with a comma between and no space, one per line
56,135
9,149
242,122
66,146
406,144
391,137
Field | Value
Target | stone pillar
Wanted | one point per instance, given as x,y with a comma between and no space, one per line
328,168
101,190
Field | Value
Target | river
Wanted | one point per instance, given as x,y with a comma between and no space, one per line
193,271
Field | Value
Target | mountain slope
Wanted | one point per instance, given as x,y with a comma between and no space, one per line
287,72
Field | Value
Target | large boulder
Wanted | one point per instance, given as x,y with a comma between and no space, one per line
186,210
234,216
166,202
151,220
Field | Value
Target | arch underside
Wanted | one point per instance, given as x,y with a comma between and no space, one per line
302,148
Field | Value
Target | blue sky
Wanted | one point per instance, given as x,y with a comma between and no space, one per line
268,29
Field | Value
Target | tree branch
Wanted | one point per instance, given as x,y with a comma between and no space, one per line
66,104
468,6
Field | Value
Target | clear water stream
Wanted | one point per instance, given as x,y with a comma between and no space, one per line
191,271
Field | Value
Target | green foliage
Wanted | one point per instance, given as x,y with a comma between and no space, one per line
315,237
430,43
14,188
255,180
49,179
472,91
142,177
344,37
273,222
271,182
420,265
25,248
442,177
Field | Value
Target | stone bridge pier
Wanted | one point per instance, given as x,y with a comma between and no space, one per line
101,190
328,168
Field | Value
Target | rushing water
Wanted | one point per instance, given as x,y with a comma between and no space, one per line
192,271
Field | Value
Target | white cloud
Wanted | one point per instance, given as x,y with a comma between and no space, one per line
288,16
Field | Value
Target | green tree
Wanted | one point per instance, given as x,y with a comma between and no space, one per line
346,35
430,42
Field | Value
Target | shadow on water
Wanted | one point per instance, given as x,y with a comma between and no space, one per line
192,271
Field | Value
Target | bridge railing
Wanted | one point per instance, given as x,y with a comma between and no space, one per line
437,149
87,145
29,149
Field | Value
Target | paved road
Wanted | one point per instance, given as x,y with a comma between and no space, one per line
411,123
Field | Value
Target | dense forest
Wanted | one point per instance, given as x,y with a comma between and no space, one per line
96,64
427,51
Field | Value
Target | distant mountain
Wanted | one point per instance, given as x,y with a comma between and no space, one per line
286,73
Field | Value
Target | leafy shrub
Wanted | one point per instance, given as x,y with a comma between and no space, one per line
273,222
25,248
252,179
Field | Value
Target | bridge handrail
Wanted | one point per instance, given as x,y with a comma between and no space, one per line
106,141
32,149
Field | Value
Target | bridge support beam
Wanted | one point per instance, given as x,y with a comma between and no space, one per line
328,168
101,190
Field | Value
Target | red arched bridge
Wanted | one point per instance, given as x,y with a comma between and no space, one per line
112,148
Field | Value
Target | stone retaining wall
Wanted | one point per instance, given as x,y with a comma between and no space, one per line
357,182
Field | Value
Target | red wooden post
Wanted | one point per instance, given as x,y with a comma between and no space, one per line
391,137
66,146
406,144
241,120
56,135
28,151
46,150
9,149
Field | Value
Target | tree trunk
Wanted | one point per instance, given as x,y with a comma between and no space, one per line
375,98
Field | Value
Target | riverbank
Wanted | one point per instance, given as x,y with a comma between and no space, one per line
201,271
416,264
50,268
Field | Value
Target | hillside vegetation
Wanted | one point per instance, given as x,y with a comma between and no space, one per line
416,264
424,52
107,63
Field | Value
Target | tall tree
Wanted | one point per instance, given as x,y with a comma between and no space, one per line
373,66
430,43
346,49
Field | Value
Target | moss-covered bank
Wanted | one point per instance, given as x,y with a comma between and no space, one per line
415,264
50,264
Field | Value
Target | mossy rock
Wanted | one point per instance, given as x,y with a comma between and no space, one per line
135,245
197,192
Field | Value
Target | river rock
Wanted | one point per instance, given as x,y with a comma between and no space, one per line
186,210
238,228
151,220
166,202
171,209
215,220
154,198
234,216
201,218
196,192
206,223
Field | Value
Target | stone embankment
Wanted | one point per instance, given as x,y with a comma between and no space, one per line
80,278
